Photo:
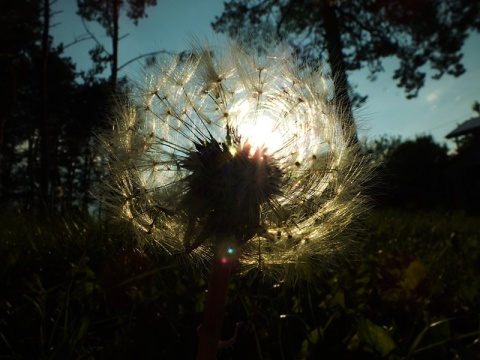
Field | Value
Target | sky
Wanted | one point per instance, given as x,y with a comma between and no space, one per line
440,106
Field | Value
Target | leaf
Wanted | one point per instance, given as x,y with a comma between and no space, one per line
414,275
375,336
312,339
338,300
445,329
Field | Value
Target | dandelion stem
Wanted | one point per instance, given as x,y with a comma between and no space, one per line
211,328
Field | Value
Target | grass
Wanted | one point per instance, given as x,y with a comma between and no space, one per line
71,289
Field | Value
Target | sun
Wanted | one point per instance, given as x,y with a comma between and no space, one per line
261,132
259,127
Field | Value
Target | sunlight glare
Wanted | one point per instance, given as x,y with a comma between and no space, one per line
261,132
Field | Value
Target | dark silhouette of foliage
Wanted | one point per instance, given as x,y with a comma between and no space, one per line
20,31
47,118
354,34
72,289
476,107
411,173
107,14
103,11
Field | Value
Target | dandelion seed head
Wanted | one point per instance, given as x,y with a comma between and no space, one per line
239,152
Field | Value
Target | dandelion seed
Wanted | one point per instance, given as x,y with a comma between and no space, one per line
237,148
240,160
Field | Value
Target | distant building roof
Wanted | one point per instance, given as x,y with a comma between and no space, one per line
465,128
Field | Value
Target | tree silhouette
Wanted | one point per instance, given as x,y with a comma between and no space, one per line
20,25
46,116
476,107
411,172
107,14
353,34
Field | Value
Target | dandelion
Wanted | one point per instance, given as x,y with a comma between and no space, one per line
238,160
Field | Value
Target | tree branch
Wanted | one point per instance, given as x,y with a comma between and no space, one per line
144,56
94,38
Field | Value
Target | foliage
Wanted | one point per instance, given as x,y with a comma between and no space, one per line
47,117
412,172
107,14
75,289
418,33
476,107
104,11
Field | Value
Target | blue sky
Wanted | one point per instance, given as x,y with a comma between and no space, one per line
439,107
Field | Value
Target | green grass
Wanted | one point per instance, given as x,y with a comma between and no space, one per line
72,289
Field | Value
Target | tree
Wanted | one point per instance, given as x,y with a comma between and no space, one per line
411,172
351,34
45,135
20,25
46,117
107,14
476,107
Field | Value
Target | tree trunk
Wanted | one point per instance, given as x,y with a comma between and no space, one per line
6,156
336,60
43,128
115,19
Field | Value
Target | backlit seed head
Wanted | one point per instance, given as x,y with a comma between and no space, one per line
237,151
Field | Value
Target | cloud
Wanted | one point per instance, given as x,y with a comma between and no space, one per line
433,96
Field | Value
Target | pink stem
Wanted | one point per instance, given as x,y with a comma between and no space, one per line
211,328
